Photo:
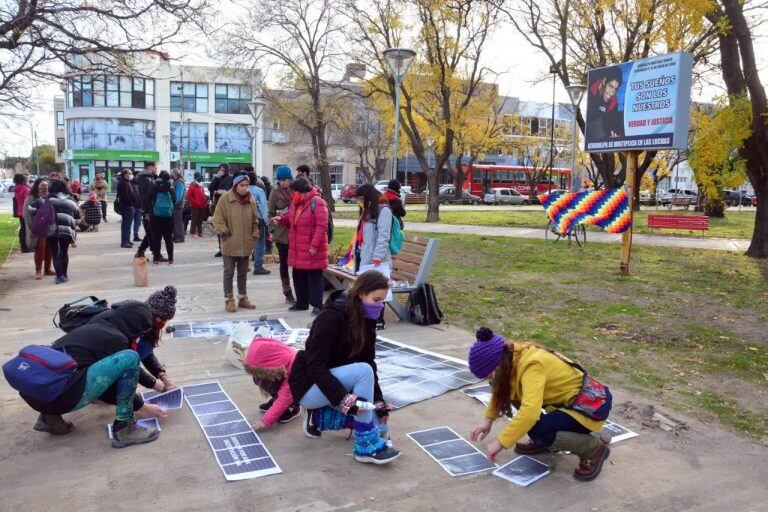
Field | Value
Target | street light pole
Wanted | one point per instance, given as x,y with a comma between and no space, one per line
576,93
256,107
399,60
553,70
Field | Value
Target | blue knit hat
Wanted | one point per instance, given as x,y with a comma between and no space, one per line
283,172
485,355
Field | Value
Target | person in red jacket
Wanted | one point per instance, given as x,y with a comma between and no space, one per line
269,362
307,218
198,204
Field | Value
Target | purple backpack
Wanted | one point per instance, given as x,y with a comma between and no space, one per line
40,372
44,223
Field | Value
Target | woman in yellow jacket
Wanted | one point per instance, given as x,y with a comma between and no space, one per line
529,378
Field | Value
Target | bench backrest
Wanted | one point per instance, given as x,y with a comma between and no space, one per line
415,198
414,262
682,201
693,222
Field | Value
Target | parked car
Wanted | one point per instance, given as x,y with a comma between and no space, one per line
336,189
505,196
447,197
381,185
666,197
736,197
347,194
645,197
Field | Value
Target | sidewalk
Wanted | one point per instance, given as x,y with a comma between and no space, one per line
705,469
719,244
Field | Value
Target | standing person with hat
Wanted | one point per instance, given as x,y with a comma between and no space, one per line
279,201
237,223
530,377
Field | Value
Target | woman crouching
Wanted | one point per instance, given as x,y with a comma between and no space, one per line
530,378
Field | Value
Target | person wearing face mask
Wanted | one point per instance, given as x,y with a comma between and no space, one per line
39,244
126,202
280,199
237,223
307,219
101,187
334,378
220,185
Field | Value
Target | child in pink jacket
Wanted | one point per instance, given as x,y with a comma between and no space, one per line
269,361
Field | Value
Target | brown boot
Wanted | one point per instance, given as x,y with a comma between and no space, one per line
530,448
590,467
592,452
245,303
230,305
289,298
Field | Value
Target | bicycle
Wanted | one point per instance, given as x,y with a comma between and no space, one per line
579,232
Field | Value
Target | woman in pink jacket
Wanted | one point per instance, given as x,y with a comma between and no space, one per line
307,218
269,362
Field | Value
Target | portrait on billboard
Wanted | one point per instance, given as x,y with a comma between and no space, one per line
605,114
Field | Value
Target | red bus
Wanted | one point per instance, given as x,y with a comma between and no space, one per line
483,176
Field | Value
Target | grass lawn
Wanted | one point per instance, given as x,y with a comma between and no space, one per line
734,225
8,227
688,329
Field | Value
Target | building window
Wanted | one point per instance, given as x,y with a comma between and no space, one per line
189,97
232,99
336,171
193,137
59,120
60,145
111,91
96,133
232,138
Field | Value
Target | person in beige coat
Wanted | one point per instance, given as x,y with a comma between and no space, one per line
236,222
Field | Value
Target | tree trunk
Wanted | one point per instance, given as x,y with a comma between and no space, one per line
459,177
325,172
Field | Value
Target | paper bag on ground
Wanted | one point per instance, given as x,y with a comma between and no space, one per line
238,343
140,272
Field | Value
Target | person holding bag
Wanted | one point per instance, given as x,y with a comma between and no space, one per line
529,377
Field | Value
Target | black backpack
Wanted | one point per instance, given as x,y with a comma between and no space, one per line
330,217
423,306
72,316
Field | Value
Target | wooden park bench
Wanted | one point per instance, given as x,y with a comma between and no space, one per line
410,269
687,222
415,198
684,201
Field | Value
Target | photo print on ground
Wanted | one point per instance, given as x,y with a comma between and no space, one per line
523,471
166,400
454,453
213,329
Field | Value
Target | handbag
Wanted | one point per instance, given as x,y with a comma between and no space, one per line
594,399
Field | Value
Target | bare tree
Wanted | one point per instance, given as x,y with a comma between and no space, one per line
41,40
298,42
362,129
578,35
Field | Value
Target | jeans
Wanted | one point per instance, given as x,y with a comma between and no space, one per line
122,369
230,262
358,379
138,215
162,229
544,431
309,287
103,210
59,246
147,242
261,244
125,226
178,224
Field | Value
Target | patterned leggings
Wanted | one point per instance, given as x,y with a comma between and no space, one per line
121,368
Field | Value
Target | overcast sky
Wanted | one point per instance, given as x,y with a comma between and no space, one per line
518,65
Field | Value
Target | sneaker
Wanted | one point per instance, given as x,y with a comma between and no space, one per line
136,238
217,255
170,262
64,279
49,272
291,413
127,246
380,326
289,298
266,405
57,280
297,307
383,456
162,259
53,424
131,433
310,429
260,271
155,262
315,311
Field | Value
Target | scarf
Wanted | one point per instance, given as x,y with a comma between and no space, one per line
243,199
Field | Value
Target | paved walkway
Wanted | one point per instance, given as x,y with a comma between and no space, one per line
720,244
705,469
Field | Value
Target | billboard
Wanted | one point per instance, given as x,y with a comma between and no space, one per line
639,105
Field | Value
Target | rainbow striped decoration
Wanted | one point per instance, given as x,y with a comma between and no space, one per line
608,209
347,262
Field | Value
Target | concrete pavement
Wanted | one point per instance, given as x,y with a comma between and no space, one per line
705,469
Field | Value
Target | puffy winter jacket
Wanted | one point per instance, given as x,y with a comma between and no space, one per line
271,359
308,230
66,210
196,195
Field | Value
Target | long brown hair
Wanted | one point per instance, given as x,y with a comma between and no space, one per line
366,283
502,388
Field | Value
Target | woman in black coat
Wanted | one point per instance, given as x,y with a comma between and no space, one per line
126,202
160,222
337,370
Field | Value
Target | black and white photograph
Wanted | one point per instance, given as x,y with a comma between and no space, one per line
523,471
454,453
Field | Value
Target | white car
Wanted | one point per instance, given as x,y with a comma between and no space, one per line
336,191
505,196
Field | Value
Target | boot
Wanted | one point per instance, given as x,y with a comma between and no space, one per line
370,447
230,305
245,303
591,450
260,271
53,424
530,448
126,433
289,298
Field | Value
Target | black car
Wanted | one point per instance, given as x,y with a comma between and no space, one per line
736,198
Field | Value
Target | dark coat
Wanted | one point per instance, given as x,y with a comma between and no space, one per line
67,212
126,196
328,346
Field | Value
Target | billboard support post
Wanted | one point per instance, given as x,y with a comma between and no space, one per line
626,237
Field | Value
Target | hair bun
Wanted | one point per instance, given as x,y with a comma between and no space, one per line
484,334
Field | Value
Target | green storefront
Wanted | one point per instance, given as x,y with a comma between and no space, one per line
208,164
83,164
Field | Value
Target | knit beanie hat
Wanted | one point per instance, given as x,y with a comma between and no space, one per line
394,185
238,179
163,302
485,355
283,172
